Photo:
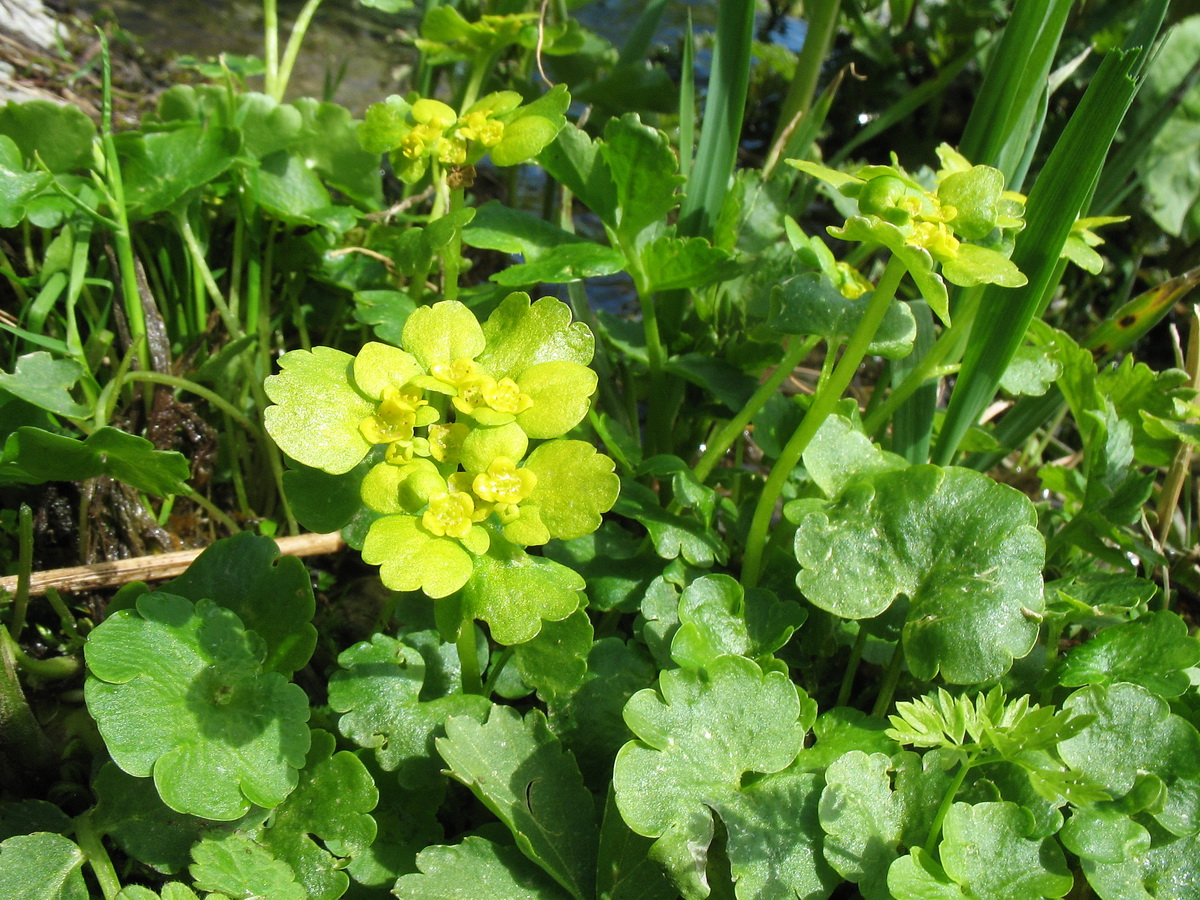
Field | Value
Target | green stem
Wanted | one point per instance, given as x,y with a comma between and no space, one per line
97,856
210,282
658,428
24,568
891,677
949,346
826,398
822,21
501,661
935,830
856,652
468,662
182,384
271,47
292,51
794,354
610,444
121,235
452,254
213,510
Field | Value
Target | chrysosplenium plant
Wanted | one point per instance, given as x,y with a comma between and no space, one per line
463,433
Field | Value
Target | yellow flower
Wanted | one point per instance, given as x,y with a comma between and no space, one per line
449,514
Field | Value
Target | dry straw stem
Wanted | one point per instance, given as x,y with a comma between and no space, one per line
154,568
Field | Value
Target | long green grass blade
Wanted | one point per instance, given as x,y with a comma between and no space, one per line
822,22
721,128
687,101
1005,112
637,44
1061,191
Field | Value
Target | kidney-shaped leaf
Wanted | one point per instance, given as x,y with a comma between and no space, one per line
965,551
41,866
178,691
697,741
271,594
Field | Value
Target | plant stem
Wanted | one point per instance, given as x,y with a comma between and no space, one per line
182,384
795,352
121,236
856,653
827,396
468,662
97,856
295,39
935,830
658,429
891,677
271,47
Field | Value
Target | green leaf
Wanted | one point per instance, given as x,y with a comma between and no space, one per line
673,535
698,741
918,262
444,333
60,134
862,818
318,410
1030,373
645,172
322,502
271,594
519,770
1153,651
554,662
839,451
34,456
173,890
1135,732
589,721
477,869
412,559
41,866
962,548
578,163
17,187
520,335
131,813
235,866
325,821
986,849
513,592
810,304
1168,870
673,263
178,691
552,255
161,168
28,816
975,195
575,486
44,381
717,618
385,311
624,870
1104,834
286,188
377,690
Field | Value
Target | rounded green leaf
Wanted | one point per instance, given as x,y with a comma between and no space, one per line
986,848
271,594
1135,732
378,366
443,333
1154,651
513,592
575,486
862,818
975,194
483,445
378,692
178,692
524,139
697,741
520,335
234,865
561,392
412,559
41,866
318,410
964,550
